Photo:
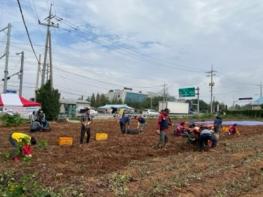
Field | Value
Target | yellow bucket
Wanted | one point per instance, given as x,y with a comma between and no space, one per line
65,141
101,136
225,129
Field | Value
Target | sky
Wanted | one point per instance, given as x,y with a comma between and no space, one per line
142,44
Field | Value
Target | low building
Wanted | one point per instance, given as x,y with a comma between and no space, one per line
256,105
71,107
126,95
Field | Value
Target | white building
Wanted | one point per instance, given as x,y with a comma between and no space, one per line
71,107
126,95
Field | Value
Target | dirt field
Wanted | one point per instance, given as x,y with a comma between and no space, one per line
128,165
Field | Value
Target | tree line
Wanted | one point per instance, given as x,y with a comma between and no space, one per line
98,100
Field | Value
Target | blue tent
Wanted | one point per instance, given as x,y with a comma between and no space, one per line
117,106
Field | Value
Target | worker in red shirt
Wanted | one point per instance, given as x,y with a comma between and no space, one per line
164,122
233,130
180,129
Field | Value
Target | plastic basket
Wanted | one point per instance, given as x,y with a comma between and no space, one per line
225,129
68,141
101,136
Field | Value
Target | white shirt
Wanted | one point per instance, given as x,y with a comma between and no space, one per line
206,131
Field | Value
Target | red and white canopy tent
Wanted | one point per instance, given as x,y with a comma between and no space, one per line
14,103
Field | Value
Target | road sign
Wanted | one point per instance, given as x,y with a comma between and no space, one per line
245,98
187,92
10,91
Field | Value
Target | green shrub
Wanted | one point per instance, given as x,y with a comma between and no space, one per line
11,120
247,113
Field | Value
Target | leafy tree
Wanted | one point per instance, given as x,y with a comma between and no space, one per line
93,100
115,101
97,102
103,100
49,99
204,107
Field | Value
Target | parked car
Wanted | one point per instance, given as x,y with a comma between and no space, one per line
150,112
93,112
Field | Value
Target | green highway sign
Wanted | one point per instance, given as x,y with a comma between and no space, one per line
187,92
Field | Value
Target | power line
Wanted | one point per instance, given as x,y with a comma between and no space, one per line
84,76
21,43
104,82
64,77
139,55
33,6
27,32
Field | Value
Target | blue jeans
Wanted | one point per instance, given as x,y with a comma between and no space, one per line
163,137
203,139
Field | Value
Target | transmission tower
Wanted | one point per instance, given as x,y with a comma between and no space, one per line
47,68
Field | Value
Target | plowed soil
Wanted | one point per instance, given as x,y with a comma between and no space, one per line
130,165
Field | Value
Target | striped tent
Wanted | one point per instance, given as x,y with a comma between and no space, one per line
13,103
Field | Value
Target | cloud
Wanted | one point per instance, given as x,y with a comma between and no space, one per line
141,43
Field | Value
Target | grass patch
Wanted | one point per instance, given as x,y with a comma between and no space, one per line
118,183
12,185
240,185
42,144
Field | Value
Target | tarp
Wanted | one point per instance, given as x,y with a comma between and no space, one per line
238,122
10,99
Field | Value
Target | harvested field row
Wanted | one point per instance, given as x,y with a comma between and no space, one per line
128,164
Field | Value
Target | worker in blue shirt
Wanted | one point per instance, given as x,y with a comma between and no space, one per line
218,124
124,123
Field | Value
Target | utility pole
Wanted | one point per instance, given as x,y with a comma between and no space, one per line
7,56
38,72
48,48
164,97
21,73
50,61
211,74
260,90
198,93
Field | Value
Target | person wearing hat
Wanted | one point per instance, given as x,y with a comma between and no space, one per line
39,122
86,121
124,122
